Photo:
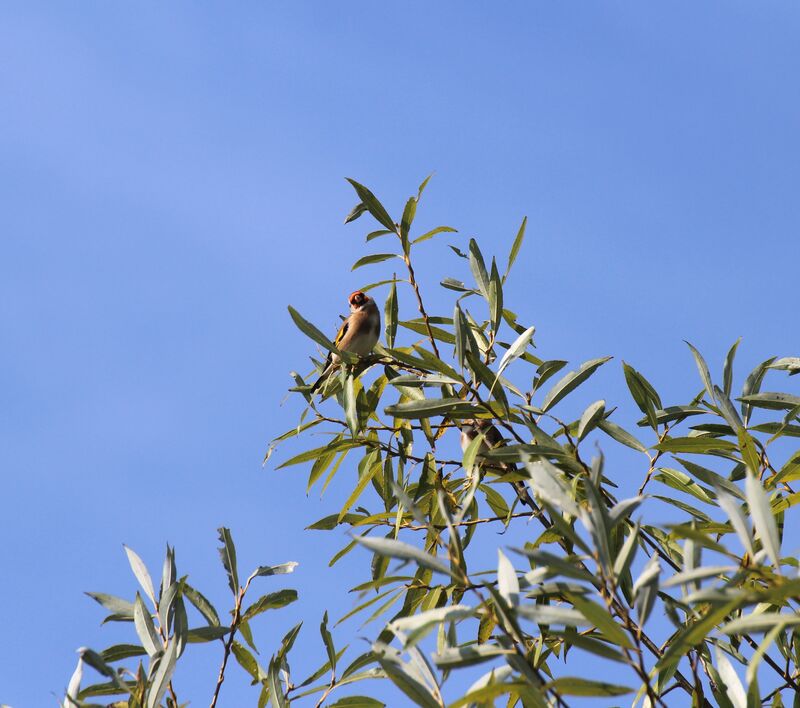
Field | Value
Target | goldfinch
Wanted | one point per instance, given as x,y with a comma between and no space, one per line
492,439
357,335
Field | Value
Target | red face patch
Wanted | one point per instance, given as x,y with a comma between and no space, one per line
357,298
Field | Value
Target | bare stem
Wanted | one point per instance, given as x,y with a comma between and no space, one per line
163,634
229,641
413,280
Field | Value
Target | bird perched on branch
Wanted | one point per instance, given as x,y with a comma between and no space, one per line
357,335
492,439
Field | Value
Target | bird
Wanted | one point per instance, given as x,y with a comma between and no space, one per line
357,335
492,439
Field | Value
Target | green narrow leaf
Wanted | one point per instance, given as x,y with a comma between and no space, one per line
165,606
727,368
457,657
431,407
749,452
169,572
620,435
357,702
403,551
336,445
208,633
711,478
376,234
145,628
757,622
373,258
460,328
753,385
601,619
390,316
787,363
683,483
93,659
163,675
369,466
507,581
414,628
311,331
430,234
549,484
512,256
180,624
495,297
372,204
692,576
625,556
495,501
327,640
572,686
270,601
516,350
275,688
571,381
732,684
421,328
140,571
643,394
379,283
486,376
409,213
590,417
546,370
118,652
74,685
702,367
693,633
753,694
552,614
288,641
247,661
727,410
122,609
737,519
321,464
423,184
282,569
772,400
697,445
406,677
350,409
478,267
227,554
763,520
645,589
485,695
355,212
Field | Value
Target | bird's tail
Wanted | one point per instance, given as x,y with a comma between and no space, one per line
326,373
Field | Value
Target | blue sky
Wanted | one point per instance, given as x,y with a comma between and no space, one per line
173,177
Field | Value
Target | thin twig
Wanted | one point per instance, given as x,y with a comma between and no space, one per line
164,638
420,306
229,642
654,460
443,527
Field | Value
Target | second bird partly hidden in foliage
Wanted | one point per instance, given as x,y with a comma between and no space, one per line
492,440
357,335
